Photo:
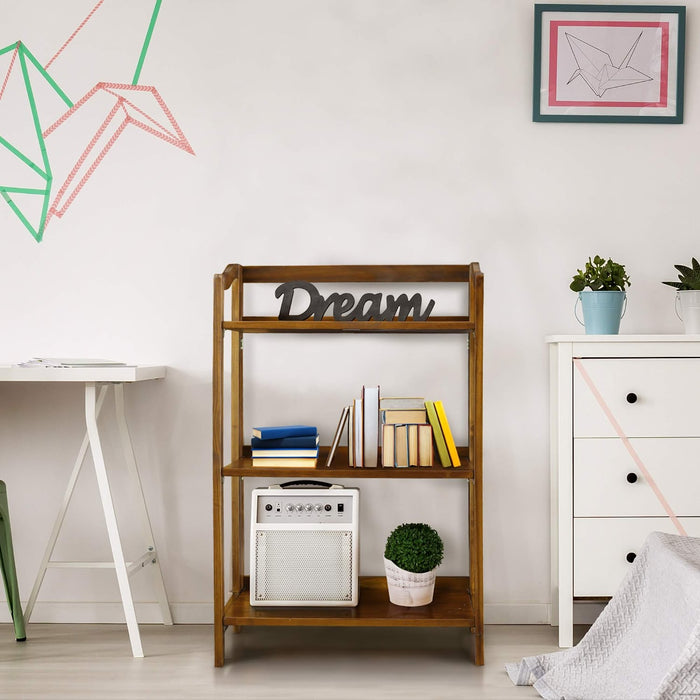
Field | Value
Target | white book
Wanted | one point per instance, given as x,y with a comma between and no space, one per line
351,434
357,440
370,408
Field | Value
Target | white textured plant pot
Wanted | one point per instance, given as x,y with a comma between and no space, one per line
689,302
409,589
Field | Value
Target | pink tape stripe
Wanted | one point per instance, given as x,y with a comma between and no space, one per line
625,441
72,36
9,70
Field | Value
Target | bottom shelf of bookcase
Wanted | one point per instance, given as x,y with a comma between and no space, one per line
451,607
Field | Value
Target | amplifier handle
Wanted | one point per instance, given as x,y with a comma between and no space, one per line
304,482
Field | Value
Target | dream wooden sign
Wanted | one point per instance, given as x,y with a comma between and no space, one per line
344,308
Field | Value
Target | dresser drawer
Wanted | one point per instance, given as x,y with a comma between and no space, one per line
602,467
601,546
648,397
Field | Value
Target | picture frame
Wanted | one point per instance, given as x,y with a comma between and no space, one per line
609,63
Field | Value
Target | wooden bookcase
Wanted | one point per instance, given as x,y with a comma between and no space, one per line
458,600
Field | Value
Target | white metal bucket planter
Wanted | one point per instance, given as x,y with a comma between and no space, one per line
688,309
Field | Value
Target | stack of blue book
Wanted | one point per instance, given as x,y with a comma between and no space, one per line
285,446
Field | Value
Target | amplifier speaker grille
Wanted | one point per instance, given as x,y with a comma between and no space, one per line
303,565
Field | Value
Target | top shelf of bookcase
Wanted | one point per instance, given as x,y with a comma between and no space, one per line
270,274
235,277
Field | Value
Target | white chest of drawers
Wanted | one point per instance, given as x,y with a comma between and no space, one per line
603,506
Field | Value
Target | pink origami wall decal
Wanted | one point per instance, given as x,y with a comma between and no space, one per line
127,105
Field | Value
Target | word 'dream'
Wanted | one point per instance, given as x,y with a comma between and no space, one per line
367,308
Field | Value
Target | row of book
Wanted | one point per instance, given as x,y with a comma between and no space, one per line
285,446
395,432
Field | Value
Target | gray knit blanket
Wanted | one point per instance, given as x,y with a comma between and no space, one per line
645,645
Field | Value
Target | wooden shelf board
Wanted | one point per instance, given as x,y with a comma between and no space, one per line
271,324
341,470
355,273
451,607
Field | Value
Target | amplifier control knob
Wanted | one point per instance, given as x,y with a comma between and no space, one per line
319,506
309,506
300,507
289,508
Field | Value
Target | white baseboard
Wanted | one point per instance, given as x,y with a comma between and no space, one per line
202,613
517,613
107,613
585,613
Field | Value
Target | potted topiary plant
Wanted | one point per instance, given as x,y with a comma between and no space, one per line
688,295
413,551
604,302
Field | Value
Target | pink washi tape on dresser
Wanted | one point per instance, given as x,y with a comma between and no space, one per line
628,445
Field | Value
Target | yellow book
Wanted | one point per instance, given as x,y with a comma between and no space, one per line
449,440
437,434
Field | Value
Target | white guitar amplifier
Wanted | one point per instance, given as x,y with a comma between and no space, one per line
304,547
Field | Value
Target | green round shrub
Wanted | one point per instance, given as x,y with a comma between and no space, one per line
414,547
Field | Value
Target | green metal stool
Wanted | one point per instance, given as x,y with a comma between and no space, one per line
7,564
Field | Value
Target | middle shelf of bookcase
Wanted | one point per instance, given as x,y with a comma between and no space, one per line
341,470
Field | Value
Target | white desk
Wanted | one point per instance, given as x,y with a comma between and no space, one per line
104,378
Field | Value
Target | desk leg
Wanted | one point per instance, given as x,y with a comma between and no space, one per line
143,511
62,512
111,520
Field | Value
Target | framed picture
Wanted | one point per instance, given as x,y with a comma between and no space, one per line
609,63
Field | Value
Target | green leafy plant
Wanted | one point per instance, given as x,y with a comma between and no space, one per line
414,547
689,277
601,275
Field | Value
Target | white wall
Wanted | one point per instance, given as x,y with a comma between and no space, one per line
325,131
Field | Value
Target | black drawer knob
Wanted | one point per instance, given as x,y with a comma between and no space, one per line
632,477
631,397
631,556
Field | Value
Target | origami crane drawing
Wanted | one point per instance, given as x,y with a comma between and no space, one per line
597,69
24,154
152,116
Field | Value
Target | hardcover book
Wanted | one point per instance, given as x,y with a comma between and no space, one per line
447,433
286,453
357,438
437,434
351,435
282,431
401,445
294,442
404,416
283,462
338,434
388,445
425,446
370,409
412,444
401,403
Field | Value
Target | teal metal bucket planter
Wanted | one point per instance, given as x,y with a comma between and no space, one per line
602,311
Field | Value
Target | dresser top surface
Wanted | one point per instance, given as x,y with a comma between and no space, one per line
623,338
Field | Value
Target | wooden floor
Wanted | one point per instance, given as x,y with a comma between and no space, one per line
92,662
